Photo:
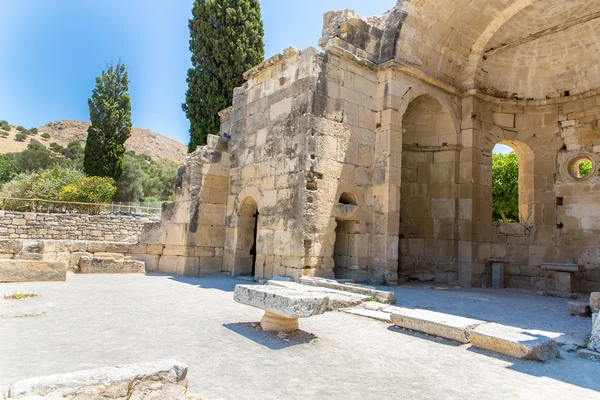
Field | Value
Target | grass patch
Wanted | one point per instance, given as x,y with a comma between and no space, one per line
19,296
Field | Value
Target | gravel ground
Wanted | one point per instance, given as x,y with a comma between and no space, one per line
101,320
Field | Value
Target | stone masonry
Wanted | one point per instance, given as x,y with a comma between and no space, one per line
110,228
370,158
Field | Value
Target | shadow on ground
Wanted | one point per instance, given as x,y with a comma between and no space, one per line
218,281
271,340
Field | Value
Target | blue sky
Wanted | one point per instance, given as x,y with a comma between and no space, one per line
52,50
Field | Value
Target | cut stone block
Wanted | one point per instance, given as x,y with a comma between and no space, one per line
588,354
282,301
579,308
114,256
378,295
377,315
595,302
514,342
498,275
32,271
594,343
89,265
283,306
163,379
434,323
337,299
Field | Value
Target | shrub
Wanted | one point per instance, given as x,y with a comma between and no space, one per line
3,134
20,128
35,145
3,122
33,131
92,189
57,148
5,127
32,160
45,136
20,137
7,170
45,184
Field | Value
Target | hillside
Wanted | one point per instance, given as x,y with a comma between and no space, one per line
63,132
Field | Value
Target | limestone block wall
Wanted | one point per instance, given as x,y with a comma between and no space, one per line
70,251
558,210
269,122
111,228
190,238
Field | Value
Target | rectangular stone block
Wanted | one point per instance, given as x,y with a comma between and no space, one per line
282,301
434,323
579,308
378,295
32,271
514,342
94,265
151,261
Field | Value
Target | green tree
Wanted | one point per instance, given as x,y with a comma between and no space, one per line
226,40
32,159
131,184
110,114
45,136
35,145
7,170
33,131
20,137
505,181
92,189
5,126
44,184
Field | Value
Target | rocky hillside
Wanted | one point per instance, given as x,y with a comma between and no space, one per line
63,132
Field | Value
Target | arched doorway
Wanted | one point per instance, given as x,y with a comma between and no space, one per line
428,192
246,243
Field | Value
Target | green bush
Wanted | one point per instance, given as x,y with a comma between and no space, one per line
45,136
45,184
20,128
92,189
3,122
147,178
3,134
57,148
35,145
7,170
5,127
33,131
20,137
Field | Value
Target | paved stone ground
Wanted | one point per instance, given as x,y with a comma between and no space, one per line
100,320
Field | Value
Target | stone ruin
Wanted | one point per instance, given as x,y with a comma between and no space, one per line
371,158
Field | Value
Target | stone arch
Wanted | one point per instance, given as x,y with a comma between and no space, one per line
526,158
246,237
479,47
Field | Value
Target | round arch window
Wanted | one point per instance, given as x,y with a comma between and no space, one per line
581,168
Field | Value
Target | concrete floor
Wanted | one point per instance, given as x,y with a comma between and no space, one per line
92,321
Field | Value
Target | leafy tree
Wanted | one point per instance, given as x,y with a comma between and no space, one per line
57,148
35,145
45,135
5,126
20,128
146,178
131,184
226,41
92,189
7,170
3,122
505,181
44,184
20,137
110,114
3,134
33,131
32,160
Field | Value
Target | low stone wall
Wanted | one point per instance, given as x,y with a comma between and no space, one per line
71,250
111,228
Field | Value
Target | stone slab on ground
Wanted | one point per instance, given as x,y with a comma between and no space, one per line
337,298
32,271
282,301
589,355
595,302
158,380
379,295
434,323
514,342
377,315
594,343
95,265
579,308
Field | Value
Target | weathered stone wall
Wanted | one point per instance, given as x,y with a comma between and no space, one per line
70,251
112,228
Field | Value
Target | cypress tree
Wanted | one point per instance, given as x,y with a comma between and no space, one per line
226,40
110,115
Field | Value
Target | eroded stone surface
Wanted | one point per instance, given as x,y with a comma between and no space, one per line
32,271
95,265
514,342
434,323
595,337
337,299
282,301
159,380
379,295
595,302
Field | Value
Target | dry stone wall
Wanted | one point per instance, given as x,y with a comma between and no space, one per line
111,228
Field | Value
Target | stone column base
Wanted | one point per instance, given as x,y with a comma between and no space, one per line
278,323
